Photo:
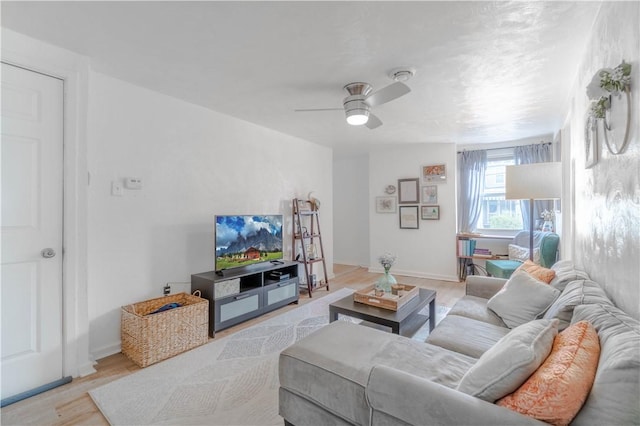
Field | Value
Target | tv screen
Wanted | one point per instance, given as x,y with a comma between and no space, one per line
243,240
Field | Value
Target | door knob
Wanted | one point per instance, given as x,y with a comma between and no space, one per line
48,252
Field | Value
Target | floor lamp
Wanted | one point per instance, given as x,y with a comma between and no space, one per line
537,181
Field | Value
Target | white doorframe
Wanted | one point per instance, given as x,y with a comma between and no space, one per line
37,56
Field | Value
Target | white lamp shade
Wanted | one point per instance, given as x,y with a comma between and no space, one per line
537,181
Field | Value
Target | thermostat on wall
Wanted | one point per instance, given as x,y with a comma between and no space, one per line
133,183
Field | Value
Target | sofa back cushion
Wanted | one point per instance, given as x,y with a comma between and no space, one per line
506,365
565,273
522,299
580,292
615,395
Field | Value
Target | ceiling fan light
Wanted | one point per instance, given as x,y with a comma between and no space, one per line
357,117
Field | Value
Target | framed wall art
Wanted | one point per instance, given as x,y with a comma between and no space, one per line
409,217
385,204
430,194
408,191
434,173
430,213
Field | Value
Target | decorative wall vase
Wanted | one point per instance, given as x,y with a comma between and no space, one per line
609,91
617,121
385,282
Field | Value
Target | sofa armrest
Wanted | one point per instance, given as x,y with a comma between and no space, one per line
485,287
417,401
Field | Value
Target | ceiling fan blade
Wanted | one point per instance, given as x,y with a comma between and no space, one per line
318,109
373,122
389,93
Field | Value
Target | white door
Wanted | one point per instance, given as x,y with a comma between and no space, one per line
31,138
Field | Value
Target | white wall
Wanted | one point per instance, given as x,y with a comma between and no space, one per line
351,210
606,209
430,250
193,163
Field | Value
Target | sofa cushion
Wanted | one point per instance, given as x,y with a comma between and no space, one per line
331,366
616,391
476,308
465,335
580,292
522,299
538,272
555,392
504,367
565,273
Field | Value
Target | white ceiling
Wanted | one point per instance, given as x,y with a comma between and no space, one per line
487,71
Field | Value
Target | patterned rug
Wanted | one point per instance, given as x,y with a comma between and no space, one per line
229,381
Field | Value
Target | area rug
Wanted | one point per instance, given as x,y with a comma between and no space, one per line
229,381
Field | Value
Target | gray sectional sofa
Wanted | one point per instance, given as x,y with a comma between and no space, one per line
346,374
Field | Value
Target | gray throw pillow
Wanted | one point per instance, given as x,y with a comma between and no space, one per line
580,292
522,299
505,366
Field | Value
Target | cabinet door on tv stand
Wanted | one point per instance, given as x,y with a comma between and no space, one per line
237,308
281,293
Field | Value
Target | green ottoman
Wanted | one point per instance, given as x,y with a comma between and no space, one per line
501,268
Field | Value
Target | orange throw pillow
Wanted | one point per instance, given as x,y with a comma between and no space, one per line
539,272
556,391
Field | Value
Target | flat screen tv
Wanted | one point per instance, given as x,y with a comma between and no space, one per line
243,240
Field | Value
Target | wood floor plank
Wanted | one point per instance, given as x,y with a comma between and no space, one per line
71,404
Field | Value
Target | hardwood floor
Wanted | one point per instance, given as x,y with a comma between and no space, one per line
71,404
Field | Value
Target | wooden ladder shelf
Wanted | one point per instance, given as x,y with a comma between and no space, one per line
306,231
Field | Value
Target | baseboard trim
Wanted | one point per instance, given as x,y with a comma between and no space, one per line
107,350
86,369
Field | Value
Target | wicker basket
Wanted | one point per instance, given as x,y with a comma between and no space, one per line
147,339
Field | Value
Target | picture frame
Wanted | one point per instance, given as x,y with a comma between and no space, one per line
430,194
434,173
430,212
386,204
409,217
409,191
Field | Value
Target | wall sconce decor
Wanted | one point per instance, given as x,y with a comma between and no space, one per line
607,89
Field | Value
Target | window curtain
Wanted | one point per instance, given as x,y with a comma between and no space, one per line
472,165
528,154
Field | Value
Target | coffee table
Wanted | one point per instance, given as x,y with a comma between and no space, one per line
405,320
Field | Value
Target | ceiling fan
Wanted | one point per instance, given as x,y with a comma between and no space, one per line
357,106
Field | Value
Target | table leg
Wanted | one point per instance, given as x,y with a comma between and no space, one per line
432,315
395,328
333,315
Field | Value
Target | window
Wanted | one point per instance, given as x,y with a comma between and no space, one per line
496,212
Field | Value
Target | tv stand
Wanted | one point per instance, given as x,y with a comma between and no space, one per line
237,295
